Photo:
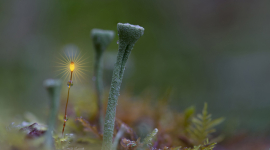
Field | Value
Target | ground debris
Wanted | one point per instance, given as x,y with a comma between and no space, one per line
33,131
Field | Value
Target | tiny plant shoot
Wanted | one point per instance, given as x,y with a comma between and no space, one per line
54,88
101,40
72,66
128,36
69,84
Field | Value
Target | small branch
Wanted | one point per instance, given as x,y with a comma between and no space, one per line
88,126
118,136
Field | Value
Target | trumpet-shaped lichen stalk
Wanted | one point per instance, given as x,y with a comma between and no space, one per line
53,87
101,40
128,36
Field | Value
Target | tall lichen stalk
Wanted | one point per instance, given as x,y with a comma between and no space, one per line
54,88
101,40
128,36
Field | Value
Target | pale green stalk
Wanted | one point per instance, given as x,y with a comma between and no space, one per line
118,136
101,40
128,36
53,87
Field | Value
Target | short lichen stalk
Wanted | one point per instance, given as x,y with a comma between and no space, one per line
53,87
128,36
101,40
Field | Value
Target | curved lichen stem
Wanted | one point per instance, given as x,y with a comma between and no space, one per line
128,36
53,87
101,39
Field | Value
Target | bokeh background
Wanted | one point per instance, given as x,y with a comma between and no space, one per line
214,51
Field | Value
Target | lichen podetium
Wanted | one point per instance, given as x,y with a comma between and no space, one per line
128,36
53,87
101,40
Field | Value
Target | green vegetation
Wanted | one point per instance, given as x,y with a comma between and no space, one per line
128,36
53,87
101,40
202,126
170,130
199,130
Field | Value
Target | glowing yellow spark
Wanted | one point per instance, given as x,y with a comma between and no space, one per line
73,61
67,71
72,66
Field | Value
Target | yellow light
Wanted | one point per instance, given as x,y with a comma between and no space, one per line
72,66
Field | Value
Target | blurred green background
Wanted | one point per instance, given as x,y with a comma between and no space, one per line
207,51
